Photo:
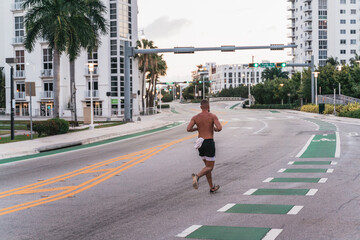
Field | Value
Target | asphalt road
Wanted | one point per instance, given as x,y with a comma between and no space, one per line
141,188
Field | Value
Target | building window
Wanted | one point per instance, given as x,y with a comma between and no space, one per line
93,56
48,86
342,11
353,21
353,11
353,51
342,31
352,1
342,1
353,41
342,21
19,27
322,54
342,41
343,51
47,59
342,61
353,31
20,56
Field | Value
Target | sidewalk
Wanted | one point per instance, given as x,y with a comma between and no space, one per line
15,149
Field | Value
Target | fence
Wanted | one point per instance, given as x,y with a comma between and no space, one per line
339,99
217,99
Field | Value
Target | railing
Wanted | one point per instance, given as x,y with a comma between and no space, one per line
339,99
291,7
95,72
217,99
308,29
47,95
19,74
18,40
308,8
20,95
308,19
95,94
46,73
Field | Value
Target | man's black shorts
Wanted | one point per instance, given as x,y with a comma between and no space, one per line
207,149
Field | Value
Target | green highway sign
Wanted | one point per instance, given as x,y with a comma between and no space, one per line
267,65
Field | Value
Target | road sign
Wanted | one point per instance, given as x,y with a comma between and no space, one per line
267,65
159,96
30,89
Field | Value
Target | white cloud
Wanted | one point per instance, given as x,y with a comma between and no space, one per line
164,27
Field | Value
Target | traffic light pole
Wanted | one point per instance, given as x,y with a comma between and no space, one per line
131,52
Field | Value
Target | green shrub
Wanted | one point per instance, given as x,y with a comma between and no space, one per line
50,127
273,106
312,108
351,114
163,106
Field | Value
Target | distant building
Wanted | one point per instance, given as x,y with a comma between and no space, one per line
324,28
37,66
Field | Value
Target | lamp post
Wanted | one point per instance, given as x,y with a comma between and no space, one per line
91,70
12,62
316,74
282,100
334,86
339,69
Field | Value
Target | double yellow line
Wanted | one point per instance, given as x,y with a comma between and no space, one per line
70,191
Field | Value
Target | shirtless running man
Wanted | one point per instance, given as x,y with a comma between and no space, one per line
206,123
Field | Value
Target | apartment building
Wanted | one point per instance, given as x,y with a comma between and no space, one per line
232,75
324,28
37,66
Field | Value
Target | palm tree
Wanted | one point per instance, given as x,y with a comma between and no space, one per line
157,68
332,61
272,73
355,60
2,89
89,39
64,24
144,64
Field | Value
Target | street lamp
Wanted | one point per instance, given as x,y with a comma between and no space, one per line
12,62
316,74
339,69
91,70
282,100
334,86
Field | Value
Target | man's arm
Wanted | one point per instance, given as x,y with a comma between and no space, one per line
217,127
190,127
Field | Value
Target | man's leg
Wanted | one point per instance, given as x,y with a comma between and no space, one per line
209,166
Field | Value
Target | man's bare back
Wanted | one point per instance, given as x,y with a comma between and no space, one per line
206,123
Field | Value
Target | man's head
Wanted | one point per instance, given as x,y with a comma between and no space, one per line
204,105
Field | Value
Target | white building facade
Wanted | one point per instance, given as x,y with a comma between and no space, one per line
232,75
324,28
37,66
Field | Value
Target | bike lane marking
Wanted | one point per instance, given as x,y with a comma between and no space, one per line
306,170
261,209
298,180
312,163
229,233
279,191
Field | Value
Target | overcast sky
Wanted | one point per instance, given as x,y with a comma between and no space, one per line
212,23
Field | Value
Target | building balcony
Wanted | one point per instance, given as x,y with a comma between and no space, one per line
291,1
43,40
308,8
308,18
19,74
290,17
17,6
18,40
47,95
308,58
46,73
308,29
95,72
308,49
291,25
307,1
308,38
95,94
291,7
19,95
291,35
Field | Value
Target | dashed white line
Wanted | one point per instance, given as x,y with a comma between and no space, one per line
272,234
282,170
291,163
268,180
188,231
323,180
312,192
330,170
295,210
251,191
266,125
333,163
226,207
337,152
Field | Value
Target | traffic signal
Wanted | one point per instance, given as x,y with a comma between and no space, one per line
200,81
281,65
253,65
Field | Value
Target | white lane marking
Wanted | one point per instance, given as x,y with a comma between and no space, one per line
189,230
290,117
305,147
353,134
234,127
323,180
251,191
272,234
312,192
266,125
269,118
330,170
337,152
282,170
295,210
268,180
252,118
226,207
324,135
334,163
291,163
235,119
249,128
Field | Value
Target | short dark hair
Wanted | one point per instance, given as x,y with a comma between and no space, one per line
204,102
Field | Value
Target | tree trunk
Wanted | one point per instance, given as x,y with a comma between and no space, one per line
56,83
143,85
73,93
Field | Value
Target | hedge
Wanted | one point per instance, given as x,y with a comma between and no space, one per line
163,106
53,126
351,110
273,106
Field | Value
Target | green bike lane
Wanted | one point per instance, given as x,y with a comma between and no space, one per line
94,144
316,152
